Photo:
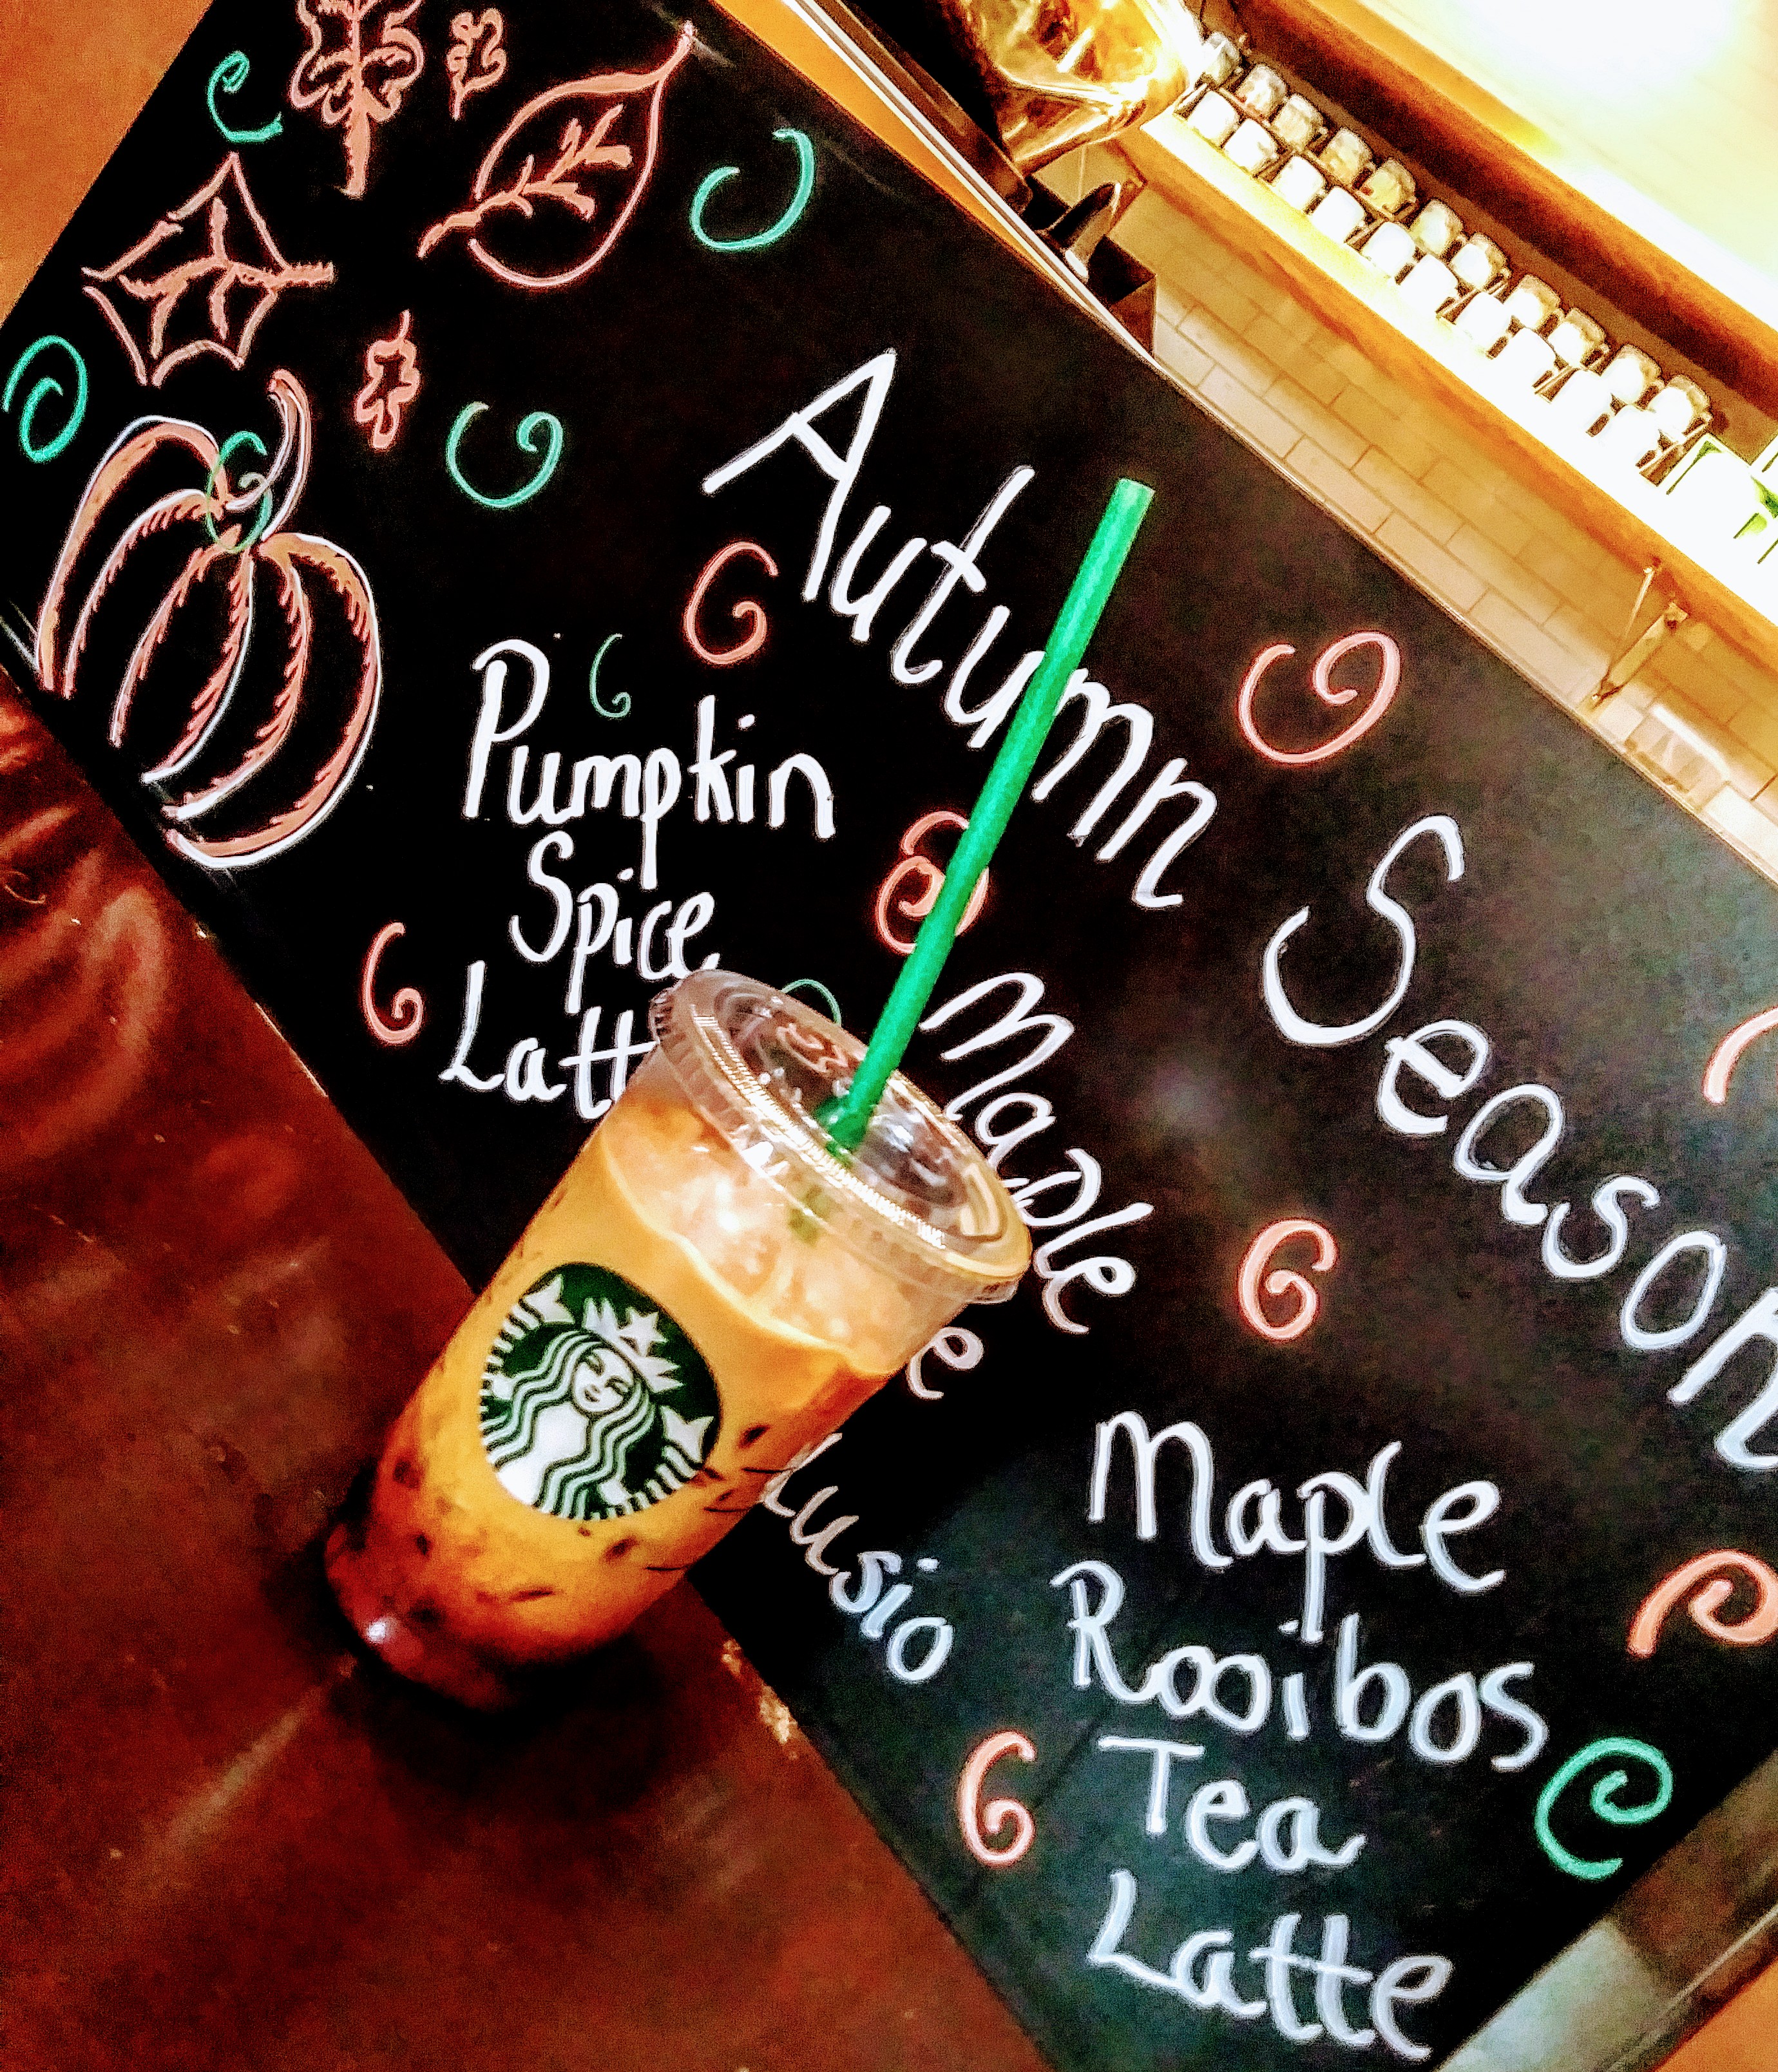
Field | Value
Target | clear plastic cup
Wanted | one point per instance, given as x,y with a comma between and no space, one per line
710,1289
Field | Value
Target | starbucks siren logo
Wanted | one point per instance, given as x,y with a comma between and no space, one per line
575,1413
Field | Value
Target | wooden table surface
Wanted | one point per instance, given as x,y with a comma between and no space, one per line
228,1840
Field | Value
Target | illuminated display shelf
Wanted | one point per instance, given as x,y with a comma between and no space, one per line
1707,303
1717,581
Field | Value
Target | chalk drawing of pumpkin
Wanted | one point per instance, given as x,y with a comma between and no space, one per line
244,651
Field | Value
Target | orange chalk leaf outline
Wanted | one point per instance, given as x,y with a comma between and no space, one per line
612,127
392,380
476,59
362,77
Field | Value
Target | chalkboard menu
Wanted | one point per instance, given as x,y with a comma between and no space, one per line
512,506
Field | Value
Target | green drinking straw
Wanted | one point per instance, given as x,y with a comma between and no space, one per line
847,1117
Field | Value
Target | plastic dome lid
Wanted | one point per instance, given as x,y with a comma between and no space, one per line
917,1199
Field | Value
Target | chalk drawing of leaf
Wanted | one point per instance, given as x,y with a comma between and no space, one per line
362,58
476,59
392,380
594,169
220,274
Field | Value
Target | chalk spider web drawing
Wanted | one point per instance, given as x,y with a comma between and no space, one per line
362,78
476,59
210,294
615,131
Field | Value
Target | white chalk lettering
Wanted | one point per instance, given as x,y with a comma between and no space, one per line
874,378
1161,1756
1760,1322
1201,1974
1411,1054
1511,1179
1325,1535
1371,1701
1293,1027
916,1649
1716,1261
489,733
862,610
959,566
1605,1197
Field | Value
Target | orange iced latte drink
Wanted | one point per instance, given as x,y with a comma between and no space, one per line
709,1290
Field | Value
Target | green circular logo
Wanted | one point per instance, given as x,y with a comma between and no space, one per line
595,1403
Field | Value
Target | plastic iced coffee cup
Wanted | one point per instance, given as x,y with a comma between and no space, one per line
711,1289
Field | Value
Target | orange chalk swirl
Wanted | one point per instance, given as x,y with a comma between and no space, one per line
748,612
1388,678
1727,1053
978,1822
1760,1625
406,1010
916,864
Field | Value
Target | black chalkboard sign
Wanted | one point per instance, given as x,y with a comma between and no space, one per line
508,508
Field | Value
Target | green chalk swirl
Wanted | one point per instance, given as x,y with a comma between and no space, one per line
541,432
